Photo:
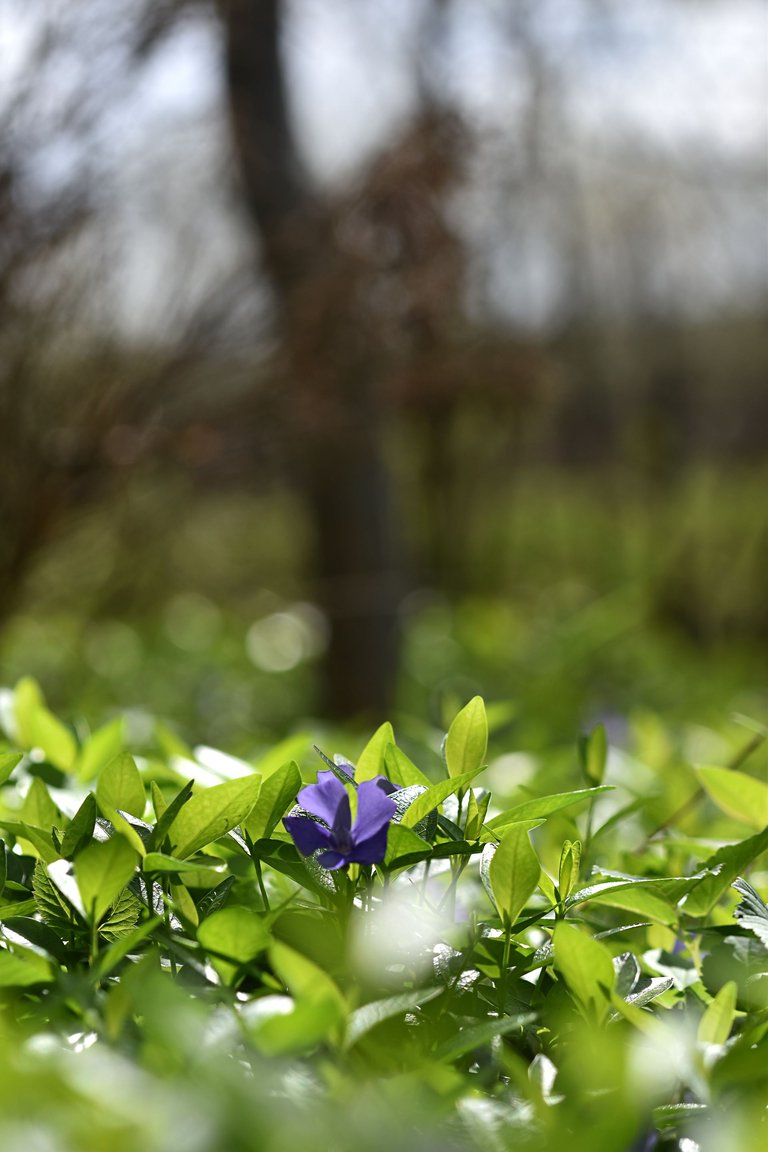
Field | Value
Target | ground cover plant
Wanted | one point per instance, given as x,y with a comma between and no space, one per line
380,950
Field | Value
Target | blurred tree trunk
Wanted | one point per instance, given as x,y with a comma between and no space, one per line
332,391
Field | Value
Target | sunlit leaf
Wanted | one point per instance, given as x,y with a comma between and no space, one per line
466,744
210,814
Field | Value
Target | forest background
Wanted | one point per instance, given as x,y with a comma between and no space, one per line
357,357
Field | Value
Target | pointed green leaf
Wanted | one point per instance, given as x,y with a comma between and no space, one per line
23,968
169,812
371,761
38,808
593,753
8,761
738,795
102,871
716,1023
402,771
480,1035
570,861
514,872
404,844
120,787
38,838
363,1019
544,806
99,749
80,828
466,744
719,872
211,813
434,796
586,967
276,795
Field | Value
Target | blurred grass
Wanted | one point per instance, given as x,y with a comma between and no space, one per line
582,597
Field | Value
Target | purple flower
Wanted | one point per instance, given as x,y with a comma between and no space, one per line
327,827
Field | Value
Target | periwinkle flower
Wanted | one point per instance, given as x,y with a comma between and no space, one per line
341,842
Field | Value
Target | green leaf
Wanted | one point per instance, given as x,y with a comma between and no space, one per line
716,1023
211,813
276,795
641,900
568,872
719,872
99,749
479,1035
123,945
38,838
38,808
404,845
434,796
54,907
8,761
80,828
476,813
303,979
122,916
544,806
279,1026
593,754
363,1019
371,761
159,862
170,744
120,787
318,1010
40,935
39,728
466,744
237,934
102,871
402,771
738,795
170,812
3,866
586,967
514,872
23,968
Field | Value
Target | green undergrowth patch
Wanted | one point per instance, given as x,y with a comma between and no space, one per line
430,953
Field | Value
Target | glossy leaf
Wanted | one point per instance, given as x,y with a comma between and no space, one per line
466,744
102,871
434,796
211,813
514,872
120,787
717,1021
276,795
371,761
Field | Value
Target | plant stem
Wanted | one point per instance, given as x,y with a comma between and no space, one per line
505,967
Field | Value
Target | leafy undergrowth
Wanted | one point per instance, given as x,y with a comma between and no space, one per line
541,971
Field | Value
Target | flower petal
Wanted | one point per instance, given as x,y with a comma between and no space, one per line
323,799
372,850
307,834
386,786
374,811
332,860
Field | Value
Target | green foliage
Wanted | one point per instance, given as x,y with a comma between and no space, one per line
168,958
